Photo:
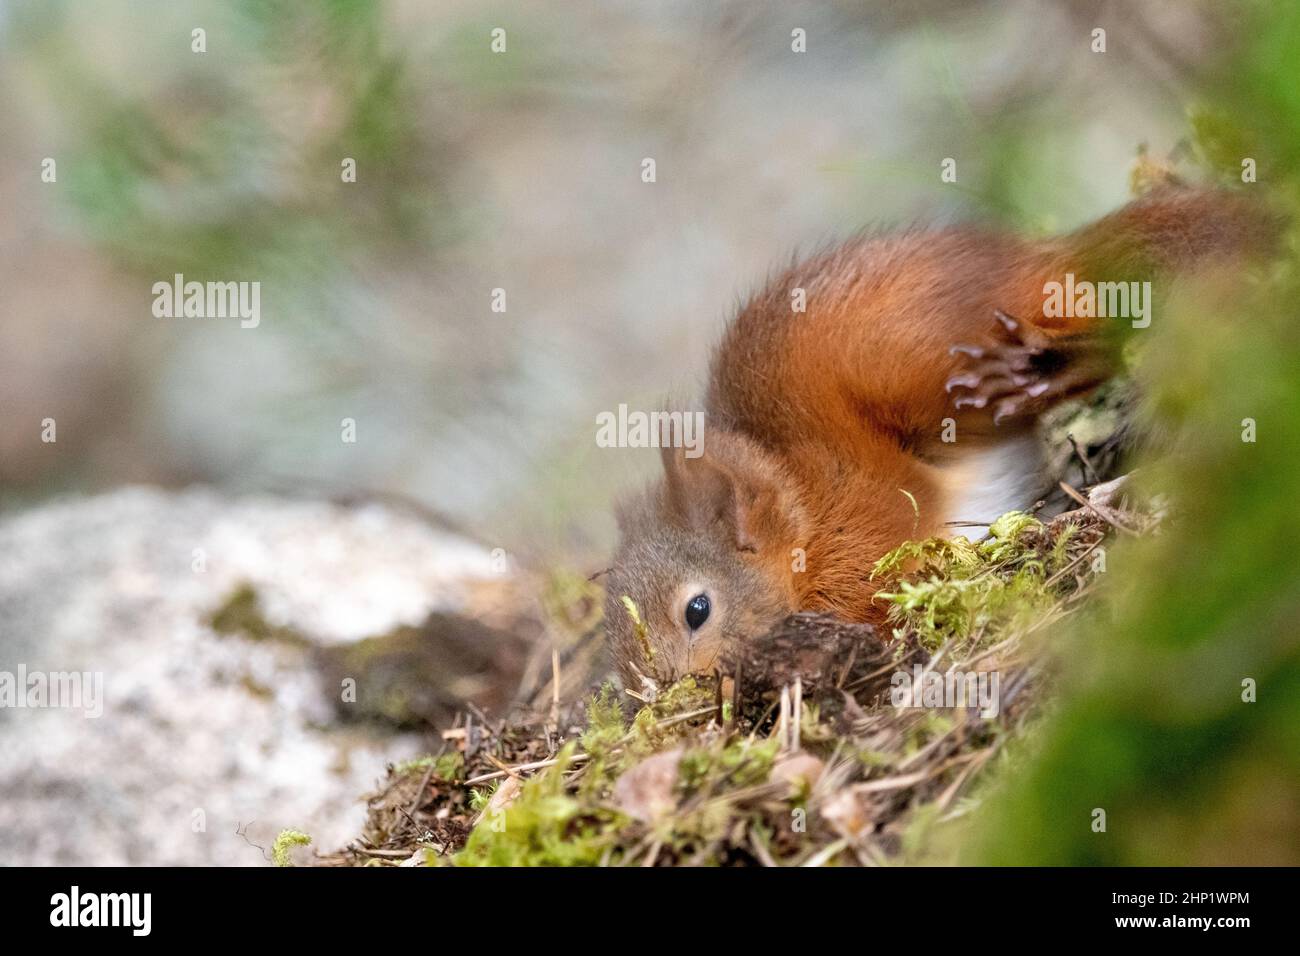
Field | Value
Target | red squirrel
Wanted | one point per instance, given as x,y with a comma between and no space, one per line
824,429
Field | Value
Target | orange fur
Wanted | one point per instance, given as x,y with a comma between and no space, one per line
824,426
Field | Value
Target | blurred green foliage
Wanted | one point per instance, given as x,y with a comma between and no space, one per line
237,171
1154,729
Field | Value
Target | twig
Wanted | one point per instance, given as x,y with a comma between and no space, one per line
1073,564
501,765
796,733
555,685
419,793
386,854
518,768
243,832
1106,514
1088,471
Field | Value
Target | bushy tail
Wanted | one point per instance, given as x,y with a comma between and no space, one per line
1172,229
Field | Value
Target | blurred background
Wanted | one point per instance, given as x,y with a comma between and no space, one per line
195,534
476,171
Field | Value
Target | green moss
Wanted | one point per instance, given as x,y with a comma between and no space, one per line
413,676
284,843
956,587
688,694
414,765
741,762
479,797
449,766
1005,541
918,833
813,728
240,615
653,728
713,780
603,741
566,815
256,688
1158,731
942,554
572,601
605,726
543,826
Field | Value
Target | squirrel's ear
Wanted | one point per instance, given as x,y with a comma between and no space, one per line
732,490
697,492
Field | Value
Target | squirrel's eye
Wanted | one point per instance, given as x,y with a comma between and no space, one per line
697,611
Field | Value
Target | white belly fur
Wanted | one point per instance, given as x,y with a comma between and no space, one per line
984,485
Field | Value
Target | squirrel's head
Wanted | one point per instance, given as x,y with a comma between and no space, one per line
705,560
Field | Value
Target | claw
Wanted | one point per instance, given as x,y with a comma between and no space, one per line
974,401
1007,321
974,351
1005,410
965,380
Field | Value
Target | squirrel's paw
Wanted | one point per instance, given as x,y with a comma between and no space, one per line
1026,371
